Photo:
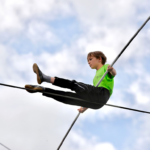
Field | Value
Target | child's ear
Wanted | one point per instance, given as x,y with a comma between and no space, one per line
100,58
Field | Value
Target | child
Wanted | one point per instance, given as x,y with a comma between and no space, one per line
88,96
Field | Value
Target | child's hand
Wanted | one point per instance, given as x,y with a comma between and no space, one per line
81,110
110,69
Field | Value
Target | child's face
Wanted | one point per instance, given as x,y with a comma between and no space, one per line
94,62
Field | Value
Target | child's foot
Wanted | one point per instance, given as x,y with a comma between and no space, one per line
34,88
38,72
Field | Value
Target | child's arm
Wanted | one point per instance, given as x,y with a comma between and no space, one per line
82,109
111,70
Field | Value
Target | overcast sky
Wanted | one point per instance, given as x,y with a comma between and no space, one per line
57,35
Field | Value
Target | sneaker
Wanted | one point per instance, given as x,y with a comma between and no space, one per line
34,88
38,72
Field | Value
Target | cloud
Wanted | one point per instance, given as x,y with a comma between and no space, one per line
16,17
78,141
38,122
39,32
105,146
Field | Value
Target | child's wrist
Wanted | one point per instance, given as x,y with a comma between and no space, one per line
112,72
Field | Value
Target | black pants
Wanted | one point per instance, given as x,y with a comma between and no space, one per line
90,96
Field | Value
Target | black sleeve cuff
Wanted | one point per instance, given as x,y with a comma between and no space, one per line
110,75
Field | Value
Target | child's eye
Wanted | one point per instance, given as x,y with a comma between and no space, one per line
90,59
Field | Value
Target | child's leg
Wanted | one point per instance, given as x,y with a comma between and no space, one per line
78,87
41,77
73,85
52,80
89,92
69,98
92,94
90,100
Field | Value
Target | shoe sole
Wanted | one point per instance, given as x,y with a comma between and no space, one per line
36,70
36,89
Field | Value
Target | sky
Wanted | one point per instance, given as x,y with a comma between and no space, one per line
58,35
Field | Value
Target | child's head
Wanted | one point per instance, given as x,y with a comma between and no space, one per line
97,55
